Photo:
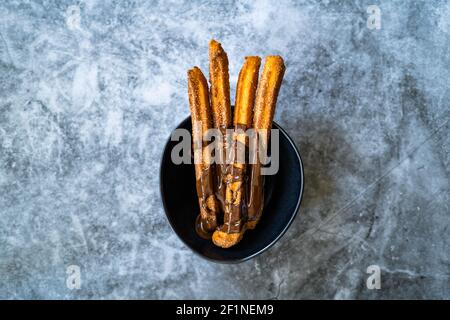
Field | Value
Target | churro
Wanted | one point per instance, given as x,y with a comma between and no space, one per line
201,121
265,103
233,228
221,110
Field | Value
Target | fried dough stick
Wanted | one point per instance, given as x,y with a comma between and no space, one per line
201,121
221,109
231,232
266,99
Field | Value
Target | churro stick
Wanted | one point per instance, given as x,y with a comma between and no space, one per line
220,85
201,121
265,103
221,110
231,232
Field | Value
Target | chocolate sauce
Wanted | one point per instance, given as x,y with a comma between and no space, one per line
233,217
255,201
216,180
235,212
206,221
222,171
202,230
220,185
255,193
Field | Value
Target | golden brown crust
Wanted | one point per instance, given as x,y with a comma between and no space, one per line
265,103
199,98
220,85
221,109
227,240
267,94
246,91
233,229
200,112
201,122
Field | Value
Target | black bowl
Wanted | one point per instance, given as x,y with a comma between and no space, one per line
283,194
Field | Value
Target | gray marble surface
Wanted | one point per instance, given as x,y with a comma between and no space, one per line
86,101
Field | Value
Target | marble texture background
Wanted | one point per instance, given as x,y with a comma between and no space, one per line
86,101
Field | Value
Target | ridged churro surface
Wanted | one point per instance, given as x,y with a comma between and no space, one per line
201,121
267,94
246,91
220,85
234,226
221,110
265,103
199,98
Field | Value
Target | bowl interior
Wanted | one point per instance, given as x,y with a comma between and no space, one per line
283,192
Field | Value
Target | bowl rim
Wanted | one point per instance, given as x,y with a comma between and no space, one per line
265,248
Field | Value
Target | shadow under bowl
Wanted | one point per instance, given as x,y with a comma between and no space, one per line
282,197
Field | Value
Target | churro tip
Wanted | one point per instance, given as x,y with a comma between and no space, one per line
214,43
194,69
254,59
215,48
195,72
227,240
275,60
274,57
